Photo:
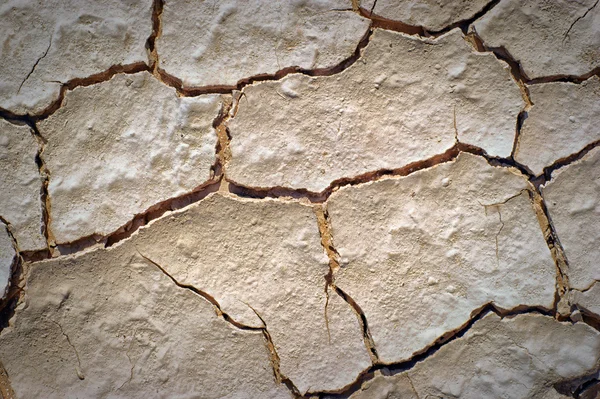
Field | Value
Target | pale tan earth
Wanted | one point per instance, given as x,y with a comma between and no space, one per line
307,132
524,356
262,261
218,43
433,15
111,324
51,42
305,199
116,149
549,38
563,120
573,199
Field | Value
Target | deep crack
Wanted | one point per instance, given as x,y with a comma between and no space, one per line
418,357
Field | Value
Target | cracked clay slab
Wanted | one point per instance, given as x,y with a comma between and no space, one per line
420,253
573,200
220,43
21,185
380,113
109,324
528,356
119,147
548,38
433,15
48,43
588,300
563,120
7,258
265,258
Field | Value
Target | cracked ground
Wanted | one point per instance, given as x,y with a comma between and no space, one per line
320,199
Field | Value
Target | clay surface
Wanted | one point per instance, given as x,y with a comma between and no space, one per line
563,120
221,43
302,199
110,324
117,148
263,263
21,185
522,357
433,15
435,246
307,132
548,38
573,200
46,44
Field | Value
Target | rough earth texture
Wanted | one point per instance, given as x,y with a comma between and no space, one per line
307,132
305,199
573,199
526,357
549,38
221,43
435,246
563,120
433,15
47,44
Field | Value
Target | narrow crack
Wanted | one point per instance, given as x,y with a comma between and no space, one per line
517,70
566,35
576,79
372,8
334,264
186,91
586,289
35,65
71,85
412,386
406,365
78,369
275,360
546,175
381,22
131,363
321,197
217,307
497,207
89,81
521,117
